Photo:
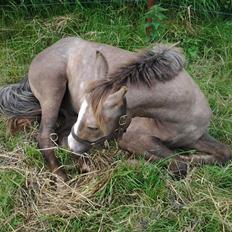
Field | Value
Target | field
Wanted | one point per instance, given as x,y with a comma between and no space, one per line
115,196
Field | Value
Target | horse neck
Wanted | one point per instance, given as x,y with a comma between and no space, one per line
140,101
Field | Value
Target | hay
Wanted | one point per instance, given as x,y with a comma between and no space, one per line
40,196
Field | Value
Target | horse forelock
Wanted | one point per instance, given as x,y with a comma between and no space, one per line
98,92
161,63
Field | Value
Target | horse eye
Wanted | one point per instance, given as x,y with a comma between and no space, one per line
92,128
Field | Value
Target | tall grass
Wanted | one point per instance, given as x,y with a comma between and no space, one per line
114,196
206,8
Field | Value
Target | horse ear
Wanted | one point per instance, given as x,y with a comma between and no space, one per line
101,66
117,97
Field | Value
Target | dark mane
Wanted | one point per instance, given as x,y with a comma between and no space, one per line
162,63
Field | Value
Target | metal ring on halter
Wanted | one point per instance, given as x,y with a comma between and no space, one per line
122,120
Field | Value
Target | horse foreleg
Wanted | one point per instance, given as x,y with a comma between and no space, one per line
50,97
47,126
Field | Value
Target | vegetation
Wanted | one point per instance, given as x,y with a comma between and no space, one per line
205,8
116,196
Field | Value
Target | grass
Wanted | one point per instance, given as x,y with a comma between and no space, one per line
203,8
115,196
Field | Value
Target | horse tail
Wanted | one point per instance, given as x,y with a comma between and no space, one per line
18,105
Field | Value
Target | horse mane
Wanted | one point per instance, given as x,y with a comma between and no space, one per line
161,63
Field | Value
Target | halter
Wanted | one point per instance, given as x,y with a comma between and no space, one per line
117,133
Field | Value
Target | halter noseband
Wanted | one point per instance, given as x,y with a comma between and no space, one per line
118,132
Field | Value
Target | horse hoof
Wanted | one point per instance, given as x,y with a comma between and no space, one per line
61,175
178,169
85,169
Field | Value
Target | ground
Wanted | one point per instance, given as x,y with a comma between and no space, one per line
115,196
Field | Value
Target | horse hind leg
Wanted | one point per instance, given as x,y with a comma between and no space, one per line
210,150
142,144
153,150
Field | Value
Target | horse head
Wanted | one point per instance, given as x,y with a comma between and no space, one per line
102,115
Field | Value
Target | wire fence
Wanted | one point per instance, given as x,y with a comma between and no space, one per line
78,3
23,5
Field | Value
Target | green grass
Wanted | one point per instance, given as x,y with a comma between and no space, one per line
202,8
116,197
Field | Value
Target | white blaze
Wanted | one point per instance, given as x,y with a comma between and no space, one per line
81,114
73,145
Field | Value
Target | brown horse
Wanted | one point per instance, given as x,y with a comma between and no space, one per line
150,92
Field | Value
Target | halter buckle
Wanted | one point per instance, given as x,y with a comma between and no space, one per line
122,120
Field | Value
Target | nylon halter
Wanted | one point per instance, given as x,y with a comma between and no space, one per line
116,133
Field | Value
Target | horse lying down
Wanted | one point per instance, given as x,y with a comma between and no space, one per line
146,99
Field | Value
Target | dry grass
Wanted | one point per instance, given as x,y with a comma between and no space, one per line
38,199
43,194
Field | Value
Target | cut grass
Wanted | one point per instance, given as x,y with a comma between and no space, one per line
115,196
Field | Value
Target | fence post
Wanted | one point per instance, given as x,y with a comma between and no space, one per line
150,3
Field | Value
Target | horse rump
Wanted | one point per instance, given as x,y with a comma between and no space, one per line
18,105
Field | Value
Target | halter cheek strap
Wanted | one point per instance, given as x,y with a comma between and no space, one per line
118,132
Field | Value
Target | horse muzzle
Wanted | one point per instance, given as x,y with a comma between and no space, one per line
77,146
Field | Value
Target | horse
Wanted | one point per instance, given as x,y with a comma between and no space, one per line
146,99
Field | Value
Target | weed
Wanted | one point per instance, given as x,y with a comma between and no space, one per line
157,15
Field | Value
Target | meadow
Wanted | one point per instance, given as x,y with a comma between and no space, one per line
115,196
